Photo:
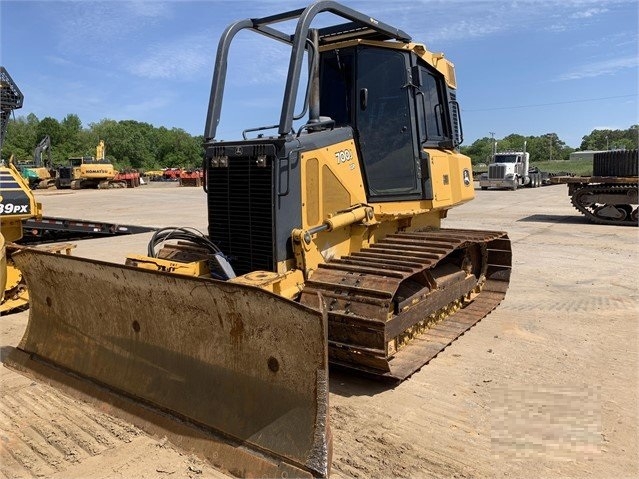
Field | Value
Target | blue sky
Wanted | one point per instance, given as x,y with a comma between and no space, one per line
527,67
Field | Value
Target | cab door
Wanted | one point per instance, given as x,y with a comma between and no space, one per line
384,112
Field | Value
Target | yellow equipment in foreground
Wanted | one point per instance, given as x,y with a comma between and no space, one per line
324,244
16,203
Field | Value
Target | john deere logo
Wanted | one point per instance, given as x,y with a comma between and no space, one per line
238,150
466,175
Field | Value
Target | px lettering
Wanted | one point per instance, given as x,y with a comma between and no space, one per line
11,209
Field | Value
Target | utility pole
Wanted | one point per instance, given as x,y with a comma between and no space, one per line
492,136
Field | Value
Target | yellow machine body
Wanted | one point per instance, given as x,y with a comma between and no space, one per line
90,170
17,202
330,189
98,168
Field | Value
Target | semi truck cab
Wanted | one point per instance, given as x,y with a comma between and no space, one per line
507,170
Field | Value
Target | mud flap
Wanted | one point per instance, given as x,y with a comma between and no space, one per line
241,367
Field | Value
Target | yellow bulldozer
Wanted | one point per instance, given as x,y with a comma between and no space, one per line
324,246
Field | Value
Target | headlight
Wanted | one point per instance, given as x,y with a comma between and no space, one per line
509,176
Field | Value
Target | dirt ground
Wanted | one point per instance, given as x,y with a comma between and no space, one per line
546,386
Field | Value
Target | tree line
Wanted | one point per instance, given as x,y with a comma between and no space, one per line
134,144
550,146
129,143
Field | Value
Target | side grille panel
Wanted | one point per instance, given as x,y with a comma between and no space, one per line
241,212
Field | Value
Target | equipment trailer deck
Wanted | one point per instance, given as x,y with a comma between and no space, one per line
51,229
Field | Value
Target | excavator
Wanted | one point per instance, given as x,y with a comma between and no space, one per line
88,172
94,172
324,246
40,173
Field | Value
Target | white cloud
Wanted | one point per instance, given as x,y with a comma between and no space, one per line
139,110
151,9
56,60
92,28
181,59
595,69
458,20
591,12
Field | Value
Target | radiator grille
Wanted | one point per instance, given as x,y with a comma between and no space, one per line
64,172
496,172
241,213
455,119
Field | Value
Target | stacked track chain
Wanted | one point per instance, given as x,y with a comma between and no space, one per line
384,322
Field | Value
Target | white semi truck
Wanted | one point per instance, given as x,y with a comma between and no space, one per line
511,169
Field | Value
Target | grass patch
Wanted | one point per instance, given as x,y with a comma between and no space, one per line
576,167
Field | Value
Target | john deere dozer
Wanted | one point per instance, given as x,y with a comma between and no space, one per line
324,245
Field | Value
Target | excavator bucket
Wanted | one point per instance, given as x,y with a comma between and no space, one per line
231,372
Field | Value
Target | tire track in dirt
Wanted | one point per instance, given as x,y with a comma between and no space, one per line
573,305
397,446
45,432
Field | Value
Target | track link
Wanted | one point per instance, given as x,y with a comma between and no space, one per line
394,306
615,200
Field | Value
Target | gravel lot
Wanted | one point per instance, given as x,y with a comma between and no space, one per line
545,386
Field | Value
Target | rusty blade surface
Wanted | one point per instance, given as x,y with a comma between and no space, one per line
235,360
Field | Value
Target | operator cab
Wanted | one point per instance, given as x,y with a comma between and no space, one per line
378,92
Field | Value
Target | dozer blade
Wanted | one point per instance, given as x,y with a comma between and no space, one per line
229,371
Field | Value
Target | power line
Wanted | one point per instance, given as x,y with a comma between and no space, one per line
550,104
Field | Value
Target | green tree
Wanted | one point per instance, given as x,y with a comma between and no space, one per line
541,148
21,138
512,142
481,151
599,140
67,143
176,147
50,126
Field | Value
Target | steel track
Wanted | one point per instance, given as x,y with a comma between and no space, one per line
589,210
386,320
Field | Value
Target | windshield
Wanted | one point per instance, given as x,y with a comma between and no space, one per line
505,159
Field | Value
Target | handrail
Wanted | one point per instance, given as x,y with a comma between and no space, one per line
298,44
